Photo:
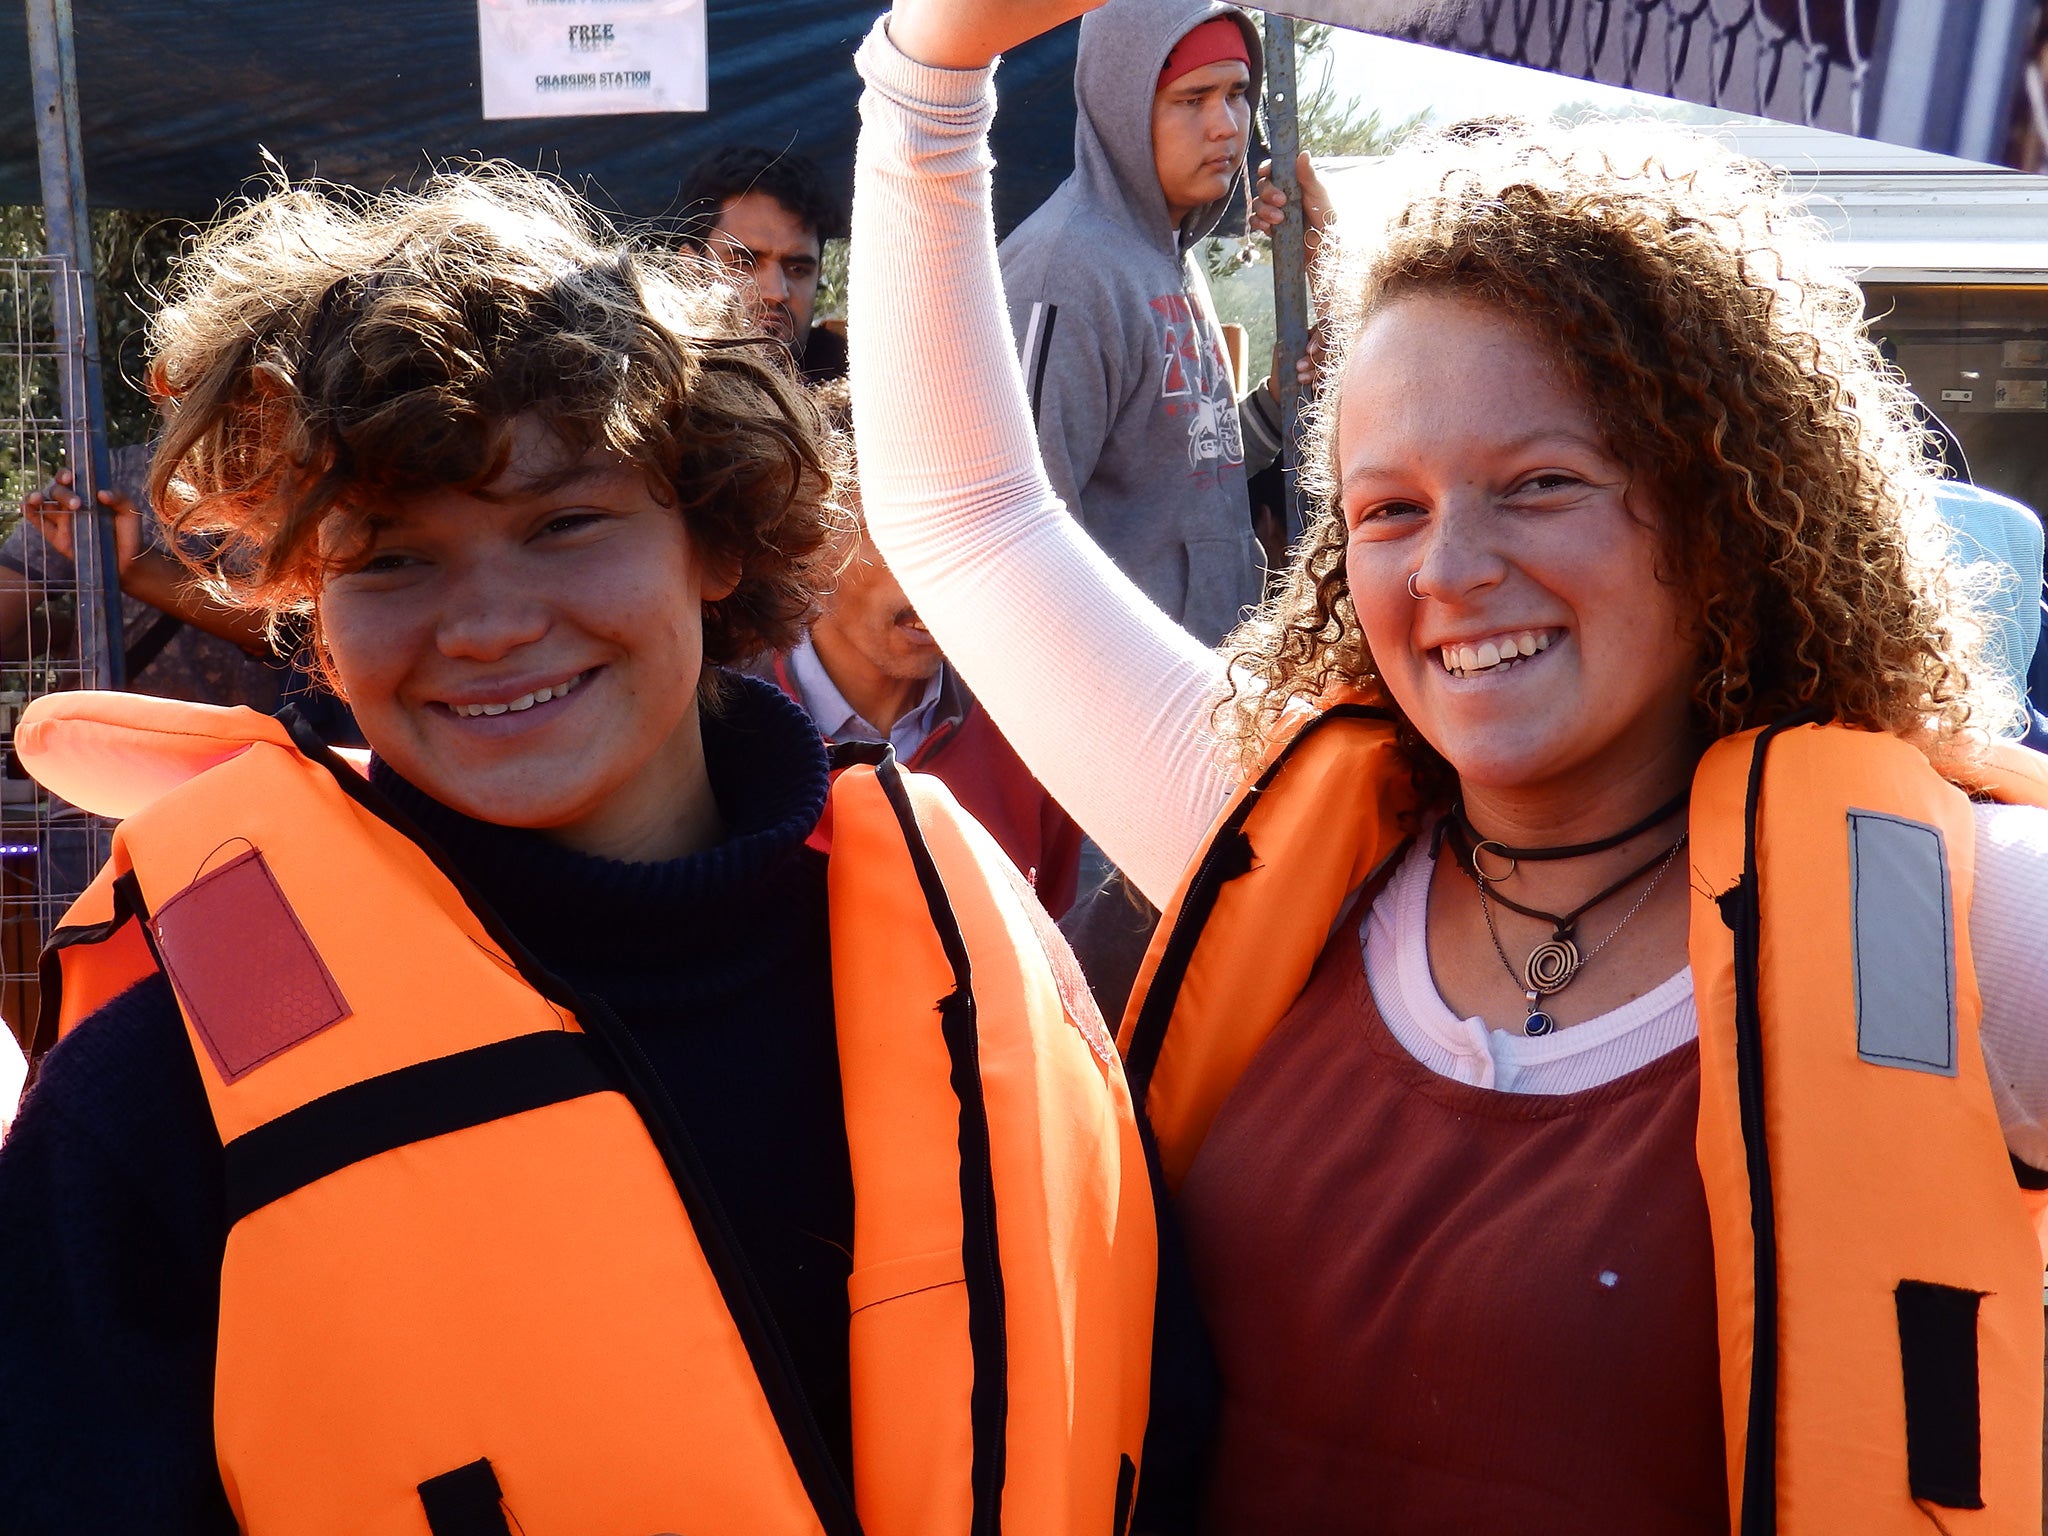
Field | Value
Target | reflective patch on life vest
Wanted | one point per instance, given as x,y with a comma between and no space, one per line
248,977
1904,941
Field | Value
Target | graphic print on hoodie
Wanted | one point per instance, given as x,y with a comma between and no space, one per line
1123,359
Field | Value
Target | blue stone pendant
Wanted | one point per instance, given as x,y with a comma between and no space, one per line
1538,1023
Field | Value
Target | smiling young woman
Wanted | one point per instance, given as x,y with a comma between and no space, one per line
1595,1039
575,1118
518,648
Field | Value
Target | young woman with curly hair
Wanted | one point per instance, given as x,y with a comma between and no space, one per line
598,1111
1563,1036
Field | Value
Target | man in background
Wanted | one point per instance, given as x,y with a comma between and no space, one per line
867,670
1131,387
766,214
1124,362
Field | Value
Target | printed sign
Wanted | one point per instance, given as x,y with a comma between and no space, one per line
591,58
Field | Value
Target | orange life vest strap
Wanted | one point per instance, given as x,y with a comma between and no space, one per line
1842,1082
108,918
1328,808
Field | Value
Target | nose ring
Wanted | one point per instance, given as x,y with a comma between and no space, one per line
1411,586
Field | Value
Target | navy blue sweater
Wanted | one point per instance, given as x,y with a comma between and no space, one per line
112,1222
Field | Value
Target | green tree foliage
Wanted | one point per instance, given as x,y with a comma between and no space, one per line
1331,120
132,254
1331,123
831,303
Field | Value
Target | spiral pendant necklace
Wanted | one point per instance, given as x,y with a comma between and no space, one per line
1554,963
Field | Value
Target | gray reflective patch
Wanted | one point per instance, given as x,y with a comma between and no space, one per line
1905,944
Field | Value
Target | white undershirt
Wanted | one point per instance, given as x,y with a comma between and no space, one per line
1395,933
1105,698
2011,964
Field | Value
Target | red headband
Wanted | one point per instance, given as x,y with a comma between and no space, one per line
1215,40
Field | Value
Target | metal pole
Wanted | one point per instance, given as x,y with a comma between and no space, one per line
54,71
1290,257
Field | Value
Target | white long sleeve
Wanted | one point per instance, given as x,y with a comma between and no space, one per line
1103,696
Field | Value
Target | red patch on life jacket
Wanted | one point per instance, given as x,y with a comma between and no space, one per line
251,981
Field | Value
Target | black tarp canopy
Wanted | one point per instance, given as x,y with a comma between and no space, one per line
178,98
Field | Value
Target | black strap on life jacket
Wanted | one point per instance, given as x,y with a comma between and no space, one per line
128,908
412,1104
988,1396
1228,855
465,1502
1944,1414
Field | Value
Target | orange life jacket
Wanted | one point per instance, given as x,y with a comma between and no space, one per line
474,1272
1879,1282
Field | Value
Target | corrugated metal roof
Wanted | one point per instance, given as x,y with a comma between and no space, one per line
1814,150
1898,215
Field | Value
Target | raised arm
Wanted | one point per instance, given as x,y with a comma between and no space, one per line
1106,698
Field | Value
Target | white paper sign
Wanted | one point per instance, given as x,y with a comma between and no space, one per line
591,58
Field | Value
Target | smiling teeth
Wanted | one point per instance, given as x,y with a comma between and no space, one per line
1464,660
513,706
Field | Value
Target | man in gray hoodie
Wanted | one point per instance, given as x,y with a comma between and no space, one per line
1129,381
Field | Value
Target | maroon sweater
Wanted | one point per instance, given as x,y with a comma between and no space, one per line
1445,1308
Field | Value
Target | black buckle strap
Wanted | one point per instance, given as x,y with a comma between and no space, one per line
1944,1420
465,1502
413,1104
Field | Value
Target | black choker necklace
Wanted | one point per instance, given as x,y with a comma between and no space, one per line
1554,963
1498,849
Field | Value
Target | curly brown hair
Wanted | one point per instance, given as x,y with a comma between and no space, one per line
321,352
1725,359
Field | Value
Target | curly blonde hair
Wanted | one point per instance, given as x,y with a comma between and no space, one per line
321,352
1725,359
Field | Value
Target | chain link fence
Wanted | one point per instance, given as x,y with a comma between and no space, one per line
48,850
1959,77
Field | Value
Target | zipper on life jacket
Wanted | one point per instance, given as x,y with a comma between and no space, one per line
1742,910
980,1251
744,1298
1227,856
